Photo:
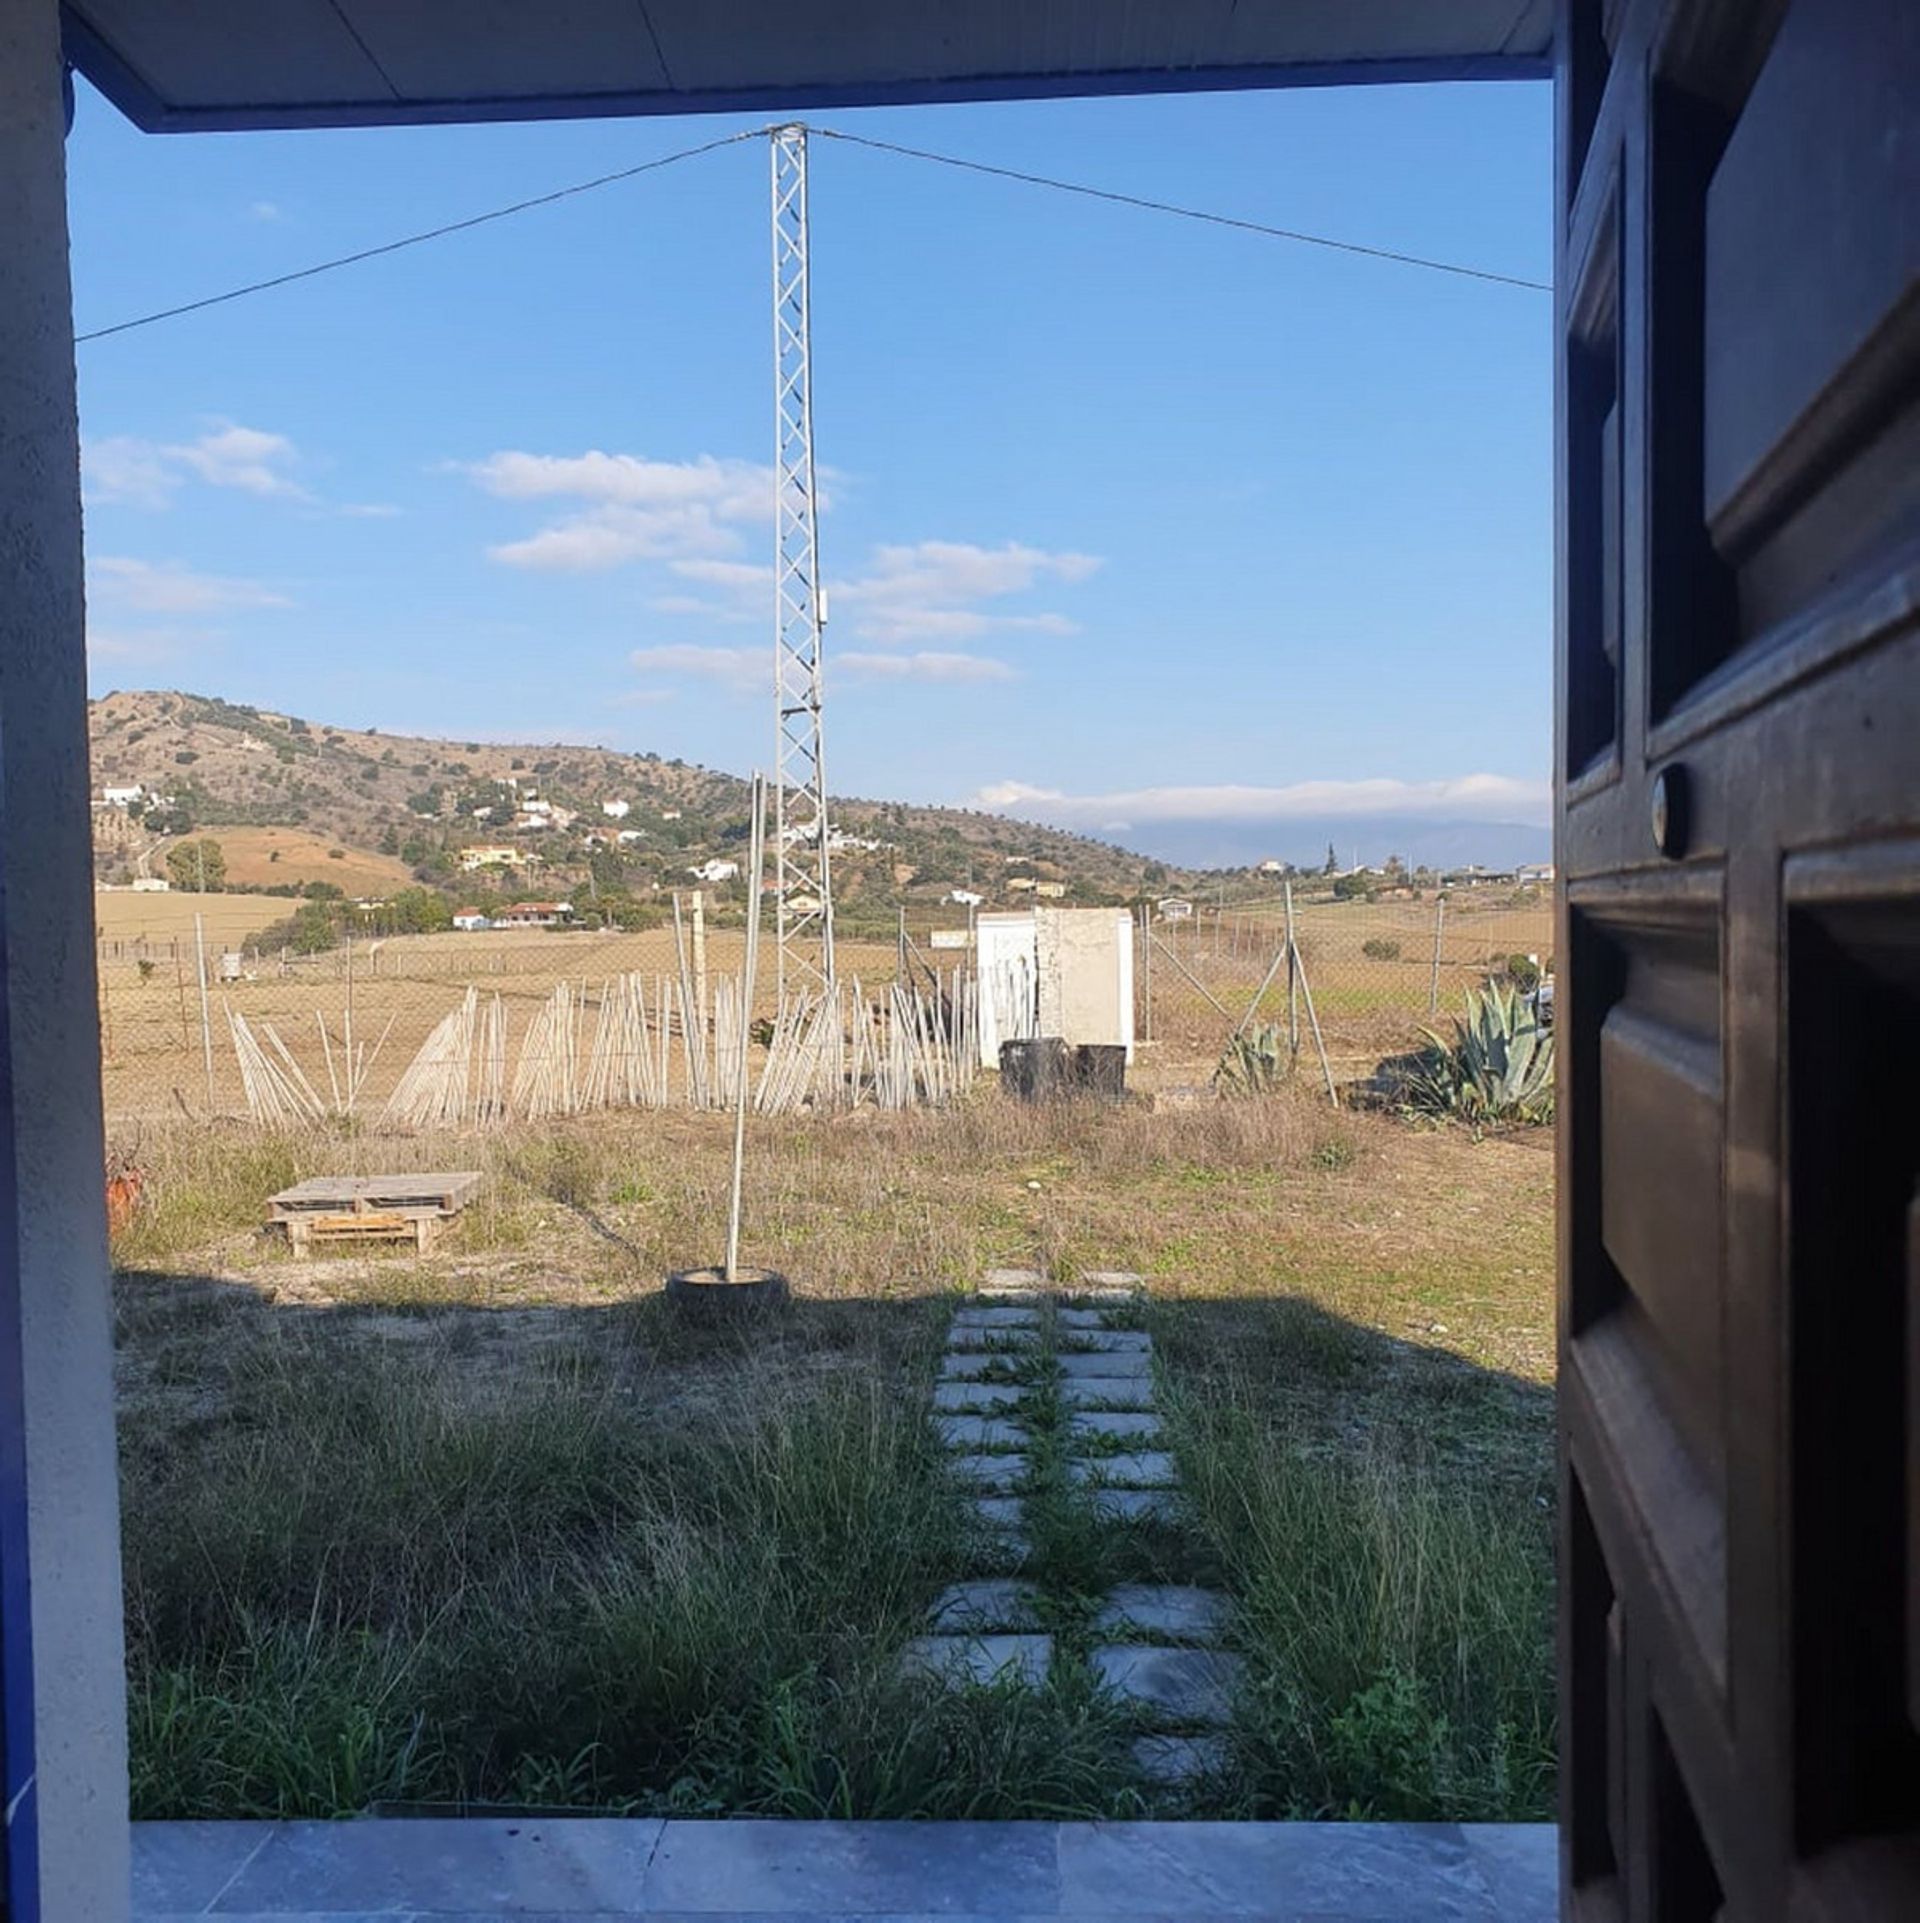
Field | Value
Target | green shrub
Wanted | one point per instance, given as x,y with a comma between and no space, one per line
1379,948
1255,1063
1498,1067
1523,972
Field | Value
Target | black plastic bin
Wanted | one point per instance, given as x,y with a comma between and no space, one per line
1036,1070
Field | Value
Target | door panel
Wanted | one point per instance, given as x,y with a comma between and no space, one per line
1738,839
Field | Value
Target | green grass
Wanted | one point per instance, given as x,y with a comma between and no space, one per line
377,1585
496,1528
1382,1517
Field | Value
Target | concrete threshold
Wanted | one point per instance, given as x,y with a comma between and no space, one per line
592,1870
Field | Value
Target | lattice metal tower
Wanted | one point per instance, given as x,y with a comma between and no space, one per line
803,871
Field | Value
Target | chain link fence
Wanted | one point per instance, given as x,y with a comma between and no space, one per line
182,1016
1373,974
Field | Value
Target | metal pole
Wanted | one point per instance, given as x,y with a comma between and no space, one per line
749,978
803,850
206,1019
1433,981
1146,946
1293,980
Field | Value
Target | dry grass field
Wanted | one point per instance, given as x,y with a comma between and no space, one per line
1202,978
494,1527
121,916
398,989
260,857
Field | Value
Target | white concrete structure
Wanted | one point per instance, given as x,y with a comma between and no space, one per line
64,1681
1055,971
1084,975
1006,968
616,810
715,870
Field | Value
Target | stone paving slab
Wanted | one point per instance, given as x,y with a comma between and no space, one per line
1008,1342
976,1398
996,1473
1176,1761
1131,1281
433,1864
971,1365
1080,1318
762,1871
911,1869
1135,1505
1012,1282
998,1512
1128,1425
993,1602
1107,1392
1151,1470
1134,1365
1110,1341
1163,1609
967,1433
1181,1685
1331,1872
1008,1316
959,1660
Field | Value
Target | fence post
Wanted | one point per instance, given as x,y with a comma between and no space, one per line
1293,982
1146,963
206,1023
1433,981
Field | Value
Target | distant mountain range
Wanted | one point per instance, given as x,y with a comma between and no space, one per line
1357,840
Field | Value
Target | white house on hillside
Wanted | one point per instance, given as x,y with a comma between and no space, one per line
616,810
715,870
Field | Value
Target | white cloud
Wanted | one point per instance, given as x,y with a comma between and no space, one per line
739,670
739,575
626,508
691,515
929,590
268,210
1009,794
125,468
145,647
123,585
1475,797
927,665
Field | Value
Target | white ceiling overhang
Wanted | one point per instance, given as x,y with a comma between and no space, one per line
182,65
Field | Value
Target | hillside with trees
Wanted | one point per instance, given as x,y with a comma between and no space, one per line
414,804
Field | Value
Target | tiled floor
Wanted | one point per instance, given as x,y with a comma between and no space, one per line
755,1872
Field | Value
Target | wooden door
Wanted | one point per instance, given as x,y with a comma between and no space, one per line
1738,718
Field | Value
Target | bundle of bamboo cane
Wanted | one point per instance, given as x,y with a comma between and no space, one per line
277,1091
545,1081
432,1090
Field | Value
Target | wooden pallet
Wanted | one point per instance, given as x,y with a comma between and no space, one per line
336,1208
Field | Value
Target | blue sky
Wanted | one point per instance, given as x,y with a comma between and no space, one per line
1130,520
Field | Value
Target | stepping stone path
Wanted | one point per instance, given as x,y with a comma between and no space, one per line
1013,1352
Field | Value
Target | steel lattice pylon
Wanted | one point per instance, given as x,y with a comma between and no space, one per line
803,877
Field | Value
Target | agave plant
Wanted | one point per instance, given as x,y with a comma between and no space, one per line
1255,1063
1497,1068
